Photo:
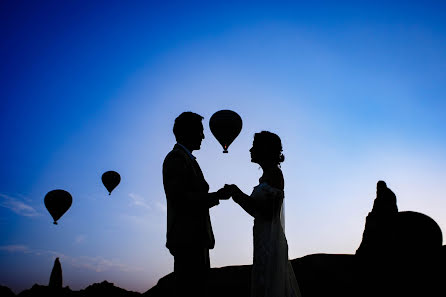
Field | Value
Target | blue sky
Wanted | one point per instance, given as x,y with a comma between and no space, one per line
355,91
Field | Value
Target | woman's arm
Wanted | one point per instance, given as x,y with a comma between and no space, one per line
264,208
245,201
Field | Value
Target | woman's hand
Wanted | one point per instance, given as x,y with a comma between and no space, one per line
234,191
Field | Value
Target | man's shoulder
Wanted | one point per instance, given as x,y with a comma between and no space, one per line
176,155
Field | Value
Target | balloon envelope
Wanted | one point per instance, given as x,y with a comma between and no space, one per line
225,125
111,179
57,202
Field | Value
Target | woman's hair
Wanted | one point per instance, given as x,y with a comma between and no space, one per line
270,146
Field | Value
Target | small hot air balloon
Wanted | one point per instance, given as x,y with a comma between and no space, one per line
57,202
111,179
226,126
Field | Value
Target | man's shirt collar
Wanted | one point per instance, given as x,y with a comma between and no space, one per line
187,151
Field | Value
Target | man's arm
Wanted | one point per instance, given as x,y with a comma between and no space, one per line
175,178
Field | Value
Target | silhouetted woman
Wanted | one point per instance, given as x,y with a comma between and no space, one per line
272,274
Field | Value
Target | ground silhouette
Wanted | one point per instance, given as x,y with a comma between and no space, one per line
99,289
318,275
6,292
321,275
412,265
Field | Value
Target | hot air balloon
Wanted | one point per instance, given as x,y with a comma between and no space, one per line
226,126
110,179
57,202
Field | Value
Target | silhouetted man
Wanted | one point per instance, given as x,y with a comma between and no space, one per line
189,229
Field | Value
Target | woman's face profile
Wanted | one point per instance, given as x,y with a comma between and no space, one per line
255,152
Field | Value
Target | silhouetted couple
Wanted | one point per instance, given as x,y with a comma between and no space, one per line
189,229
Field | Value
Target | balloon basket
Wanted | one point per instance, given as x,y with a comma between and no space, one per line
225,152
55,223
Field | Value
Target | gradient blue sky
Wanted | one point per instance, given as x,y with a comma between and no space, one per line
355,90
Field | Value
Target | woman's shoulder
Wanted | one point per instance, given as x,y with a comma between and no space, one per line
265,191
266,187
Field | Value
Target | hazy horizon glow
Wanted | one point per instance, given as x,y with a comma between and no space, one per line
355,91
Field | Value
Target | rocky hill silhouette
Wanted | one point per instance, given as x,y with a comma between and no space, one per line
318,275
322,275
6,292
401,254
99,289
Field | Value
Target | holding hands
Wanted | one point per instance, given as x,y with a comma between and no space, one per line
223,193
229,191
234,192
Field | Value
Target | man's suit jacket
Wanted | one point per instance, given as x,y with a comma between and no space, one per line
188,202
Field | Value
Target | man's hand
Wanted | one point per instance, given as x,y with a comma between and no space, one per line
223,194
234,191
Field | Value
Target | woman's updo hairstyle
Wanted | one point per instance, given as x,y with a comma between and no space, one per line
270,146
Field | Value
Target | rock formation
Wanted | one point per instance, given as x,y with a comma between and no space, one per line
379,231
56,275
6,292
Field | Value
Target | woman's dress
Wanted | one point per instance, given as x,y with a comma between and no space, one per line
272,273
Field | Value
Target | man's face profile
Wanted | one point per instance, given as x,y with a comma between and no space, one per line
197,136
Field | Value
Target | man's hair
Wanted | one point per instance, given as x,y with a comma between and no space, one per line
185,123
